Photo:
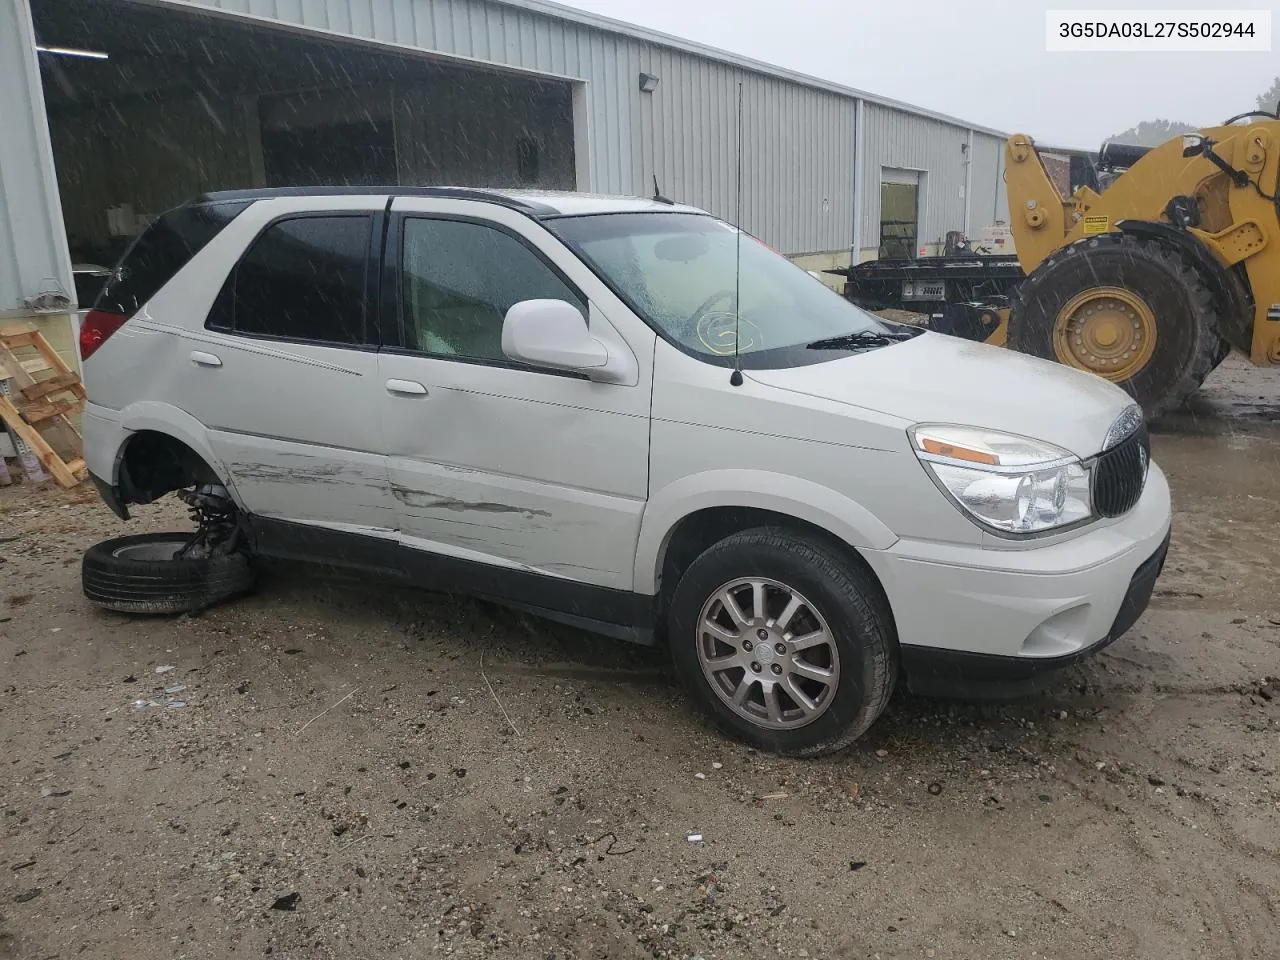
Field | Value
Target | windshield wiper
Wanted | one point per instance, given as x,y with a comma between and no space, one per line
863,339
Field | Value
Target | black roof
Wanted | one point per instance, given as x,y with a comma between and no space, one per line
532,208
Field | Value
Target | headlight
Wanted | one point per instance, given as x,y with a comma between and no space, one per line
1012,485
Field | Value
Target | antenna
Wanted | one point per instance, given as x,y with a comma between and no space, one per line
657,193
735,378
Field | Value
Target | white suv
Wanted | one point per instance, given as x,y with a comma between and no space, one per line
622,414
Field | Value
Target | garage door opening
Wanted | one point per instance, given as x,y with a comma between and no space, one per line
176,103
899,213
339,153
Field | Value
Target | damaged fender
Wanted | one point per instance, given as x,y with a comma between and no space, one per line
167,419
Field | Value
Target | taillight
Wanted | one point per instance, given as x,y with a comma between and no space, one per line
96,326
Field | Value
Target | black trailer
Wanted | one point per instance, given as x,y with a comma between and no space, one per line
928,284
960,294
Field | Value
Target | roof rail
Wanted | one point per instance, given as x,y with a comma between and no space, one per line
531,208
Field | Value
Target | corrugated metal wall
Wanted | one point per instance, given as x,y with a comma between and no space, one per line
798,141
797,150
902,141
33,247
989,202
798,156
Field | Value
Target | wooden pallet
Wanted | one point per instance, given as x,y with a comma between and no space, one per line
39,393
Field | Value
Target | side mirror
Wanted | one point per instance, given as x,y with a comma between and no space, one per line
552,333
1193,145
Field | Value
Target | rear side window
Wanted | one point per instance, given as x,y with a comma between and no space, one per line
160,252
302,279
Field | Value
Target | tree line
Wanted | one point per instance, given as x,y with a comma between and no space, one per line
1151,133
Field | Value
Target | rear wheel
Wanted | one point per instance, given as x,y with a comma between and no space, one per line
146,574
1132,312
783,641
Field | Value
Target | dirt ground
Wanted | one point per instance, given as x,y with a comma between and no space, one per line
413,776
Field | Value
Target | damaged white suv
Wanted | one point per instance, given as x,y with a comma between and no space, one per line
621,414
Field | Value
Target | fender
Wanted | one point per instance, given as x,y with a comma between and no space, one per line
761,489
167,419
1230,297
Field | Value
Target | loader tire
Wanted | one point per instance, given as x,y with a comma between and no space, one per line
1130,311
1223,351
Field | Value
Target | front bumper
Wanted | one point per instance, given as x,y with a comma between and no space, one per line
933,671
982,622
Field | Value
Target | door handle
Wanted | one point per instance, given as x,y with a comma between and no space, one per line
202,359
406,388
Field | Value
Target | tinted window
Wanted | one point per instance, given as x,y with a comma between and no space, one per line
161,251
459,281
303,279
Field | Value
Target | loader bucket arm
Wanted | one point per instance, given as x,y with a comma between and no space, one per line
1039,218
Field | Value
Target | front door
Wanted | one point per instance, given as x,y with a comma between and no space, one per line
899,213
493,461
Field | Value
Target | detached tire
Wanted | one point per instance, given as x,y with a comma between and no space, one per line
785,642
1132,312
139,575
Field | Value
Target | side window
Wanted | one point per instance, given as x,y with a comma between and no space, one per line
459,280
302,279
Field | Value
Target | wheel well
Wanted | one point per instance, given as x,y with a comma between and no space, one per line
1229,287
155,463
699,530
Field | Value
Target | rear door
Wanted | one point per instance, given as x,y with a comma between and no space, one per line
491,460
284,373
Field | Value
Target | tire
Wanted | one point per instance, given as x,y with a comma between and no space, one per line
1187,344
132,575
1221,353
828,589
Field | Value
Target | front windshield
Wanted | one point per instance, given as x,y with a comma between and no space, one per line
681,272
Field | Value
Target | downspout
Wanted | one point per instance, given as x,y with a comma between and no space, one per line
995,194
968,181
859,136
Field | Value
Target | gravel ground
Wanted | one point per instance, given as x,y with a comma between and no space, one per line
333,769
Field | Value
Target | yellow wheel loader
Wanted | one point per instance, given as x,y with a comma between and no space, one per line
1149,280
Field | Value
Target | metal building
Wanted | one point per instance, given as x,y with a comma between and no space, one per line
118,109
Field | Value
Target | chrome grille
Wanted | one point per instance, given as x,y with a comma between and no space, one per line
1119,474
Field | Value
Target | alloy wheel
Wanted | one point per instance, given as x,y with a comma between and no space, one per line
768,653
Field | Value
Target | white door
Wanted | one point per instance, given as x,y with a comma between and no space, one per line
284,373
490,460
